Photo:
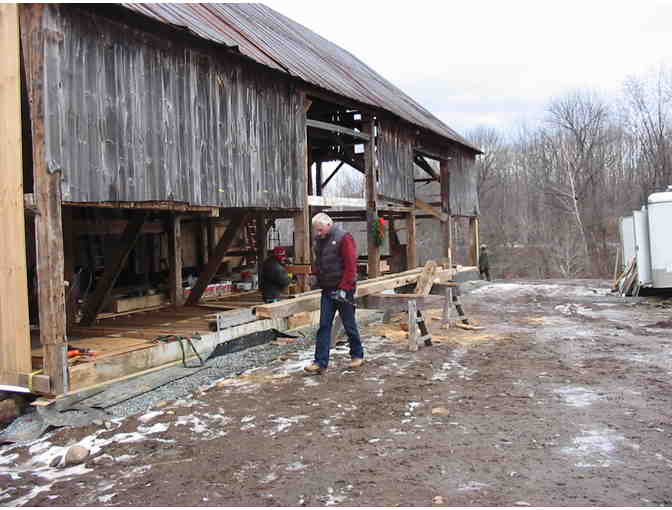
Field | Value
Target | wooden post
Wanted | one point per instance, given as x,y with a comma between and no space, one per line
302,253
447,302
412,325
373,251
174,229
473,236
411,242
112,270
47,191
447,225
318,177
262,245
203,243
14,321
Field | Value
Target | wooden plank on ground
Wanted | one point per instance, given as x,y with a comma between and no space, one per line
14,321
134,303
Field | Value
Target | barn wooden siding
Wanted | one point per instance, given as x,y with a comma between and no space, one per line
395,160
131,117
463,185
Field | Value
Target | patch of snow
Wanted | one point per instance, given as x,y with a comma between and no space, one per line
9,458
149,416
154,429
332,499
270,477
594,448
472,486
285,423
577,396
296,466
509,290
572,309
106,498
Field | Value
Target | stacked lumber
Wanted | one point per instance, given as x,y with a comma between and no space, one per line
627,284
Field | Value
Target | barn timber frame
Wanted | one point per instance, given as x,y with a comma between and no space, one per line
164,131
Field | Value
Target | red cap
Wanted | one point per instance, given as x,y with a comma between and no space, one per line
279,252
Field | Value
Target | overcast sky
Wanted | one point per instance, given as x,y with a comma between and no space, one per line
494,62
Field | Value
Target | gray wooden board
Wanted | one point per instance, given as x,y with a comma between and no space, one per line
235,317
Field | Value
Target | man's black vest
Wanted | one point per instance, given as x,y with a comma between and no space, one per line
328,260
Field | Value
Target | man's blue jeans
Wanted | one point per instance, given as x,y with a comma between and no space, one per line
328,309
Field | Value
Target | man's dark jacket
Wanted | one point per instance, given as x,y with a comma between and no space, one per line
274,278
328,259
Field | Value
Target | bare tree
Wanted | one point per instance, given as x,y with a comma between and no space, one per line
649,119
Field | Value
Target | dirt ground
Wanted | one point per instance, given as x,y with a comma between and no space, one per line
562,399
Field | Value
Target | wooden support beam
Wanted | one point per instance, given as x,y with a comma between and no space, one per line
203,244
411,242
335,128
447,226
206,276
420,160
424,206
112,270
373,250
355,203
14,321
302,252
473,238
47,191
311,300
175,290
262,248
110,227
324,184
318,177
412,325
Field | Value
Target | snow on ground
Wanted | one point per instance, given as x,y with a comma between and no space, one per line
532,289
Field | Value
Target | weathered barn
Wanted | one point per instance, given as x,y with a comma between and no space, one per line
146,143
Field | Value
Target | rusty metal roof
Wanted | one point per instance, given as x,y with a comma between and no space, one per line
274,40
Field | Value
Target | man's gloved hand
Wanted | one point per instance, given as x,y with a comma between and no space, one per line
339,295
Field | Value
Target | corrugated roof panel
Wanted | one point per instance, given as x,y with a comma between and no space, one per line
278,42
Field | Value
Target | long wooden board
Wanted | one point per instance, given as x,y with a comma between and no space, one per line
311,301
14,322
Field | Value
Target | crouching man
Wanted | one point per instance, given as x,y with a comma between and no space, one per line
274,276
335,270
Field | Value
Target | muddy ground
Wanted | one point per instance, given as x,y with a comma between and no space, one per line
562,399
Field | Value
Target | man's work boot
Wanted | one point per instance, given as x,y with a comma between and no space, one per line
314,368
356,362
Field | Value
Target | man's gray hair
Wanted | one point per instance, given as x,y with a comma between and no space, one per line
322,219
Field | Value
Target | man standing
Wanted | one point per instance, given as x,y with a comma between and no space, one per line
335,269
274,276
484,263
